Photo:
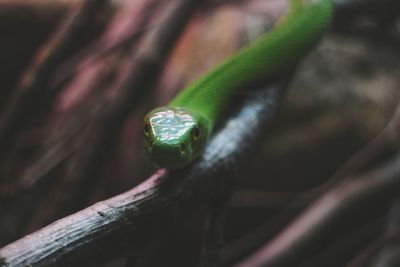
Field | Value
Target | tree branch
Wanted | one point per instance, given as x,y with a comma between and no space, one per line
34,85
329,214
128,221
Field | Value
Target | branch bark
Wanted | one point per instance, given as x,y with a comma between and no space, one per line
128,221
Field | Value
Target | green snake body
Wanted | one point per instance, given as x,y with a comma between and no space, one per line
177,133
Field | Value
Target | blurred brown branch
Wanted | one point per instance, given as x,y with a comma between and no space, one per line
381,147
375,190
101,87
34,85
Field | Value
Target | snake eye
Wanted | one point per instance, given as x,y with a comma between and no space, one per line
195,133
146,129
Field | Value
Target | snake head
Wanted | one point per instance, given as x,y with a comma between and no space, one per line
174,136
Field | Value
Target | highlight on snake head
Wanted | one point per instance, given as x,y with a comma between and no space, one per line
174,136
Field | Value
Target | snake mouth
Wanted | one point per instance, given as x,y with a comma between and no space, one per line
171,157
168,161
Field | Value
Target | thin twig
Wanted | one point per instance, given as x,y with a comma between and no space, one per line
55,153
303,235
34,85
344,247
385,248
382,145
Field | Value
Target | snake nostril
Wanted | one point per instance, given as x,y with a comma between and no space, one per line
149,144
182,148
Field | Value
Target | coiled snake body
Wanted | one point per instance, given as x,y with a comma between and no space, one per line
176,134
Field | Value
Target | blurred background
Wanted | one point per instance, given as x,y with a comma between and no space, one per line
76,140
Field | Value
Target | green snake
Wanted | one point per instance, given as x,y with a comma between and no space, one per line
177,133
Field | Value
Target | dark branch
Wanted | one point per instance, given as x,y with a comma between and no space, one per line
345,247
385,251
33,89
93,59
329,214
133,87
115,227
127,222
382,146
